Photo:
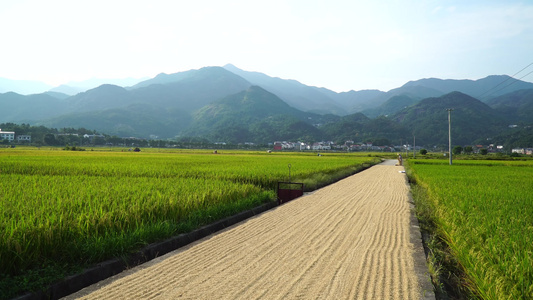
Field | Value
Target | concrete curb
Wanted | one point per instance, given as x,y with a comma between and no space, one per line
419,255
112,267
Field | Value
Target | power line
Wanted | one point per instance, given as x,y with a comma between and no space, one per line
508,78
516,80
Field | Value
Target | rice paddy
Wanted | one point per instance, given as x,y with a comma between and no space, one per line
62,210
484,211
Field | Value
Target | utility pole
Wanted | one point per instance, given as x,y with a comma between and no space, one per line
450,133
414,147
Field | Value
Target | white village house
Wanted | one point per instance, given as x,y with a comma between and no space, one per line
24,138
7,135
527,151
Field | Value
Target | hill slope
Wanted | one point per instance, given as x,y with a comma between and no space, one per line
189,90
135,120
483,89
296,94
516,107
471,120
254,115
391,106
21,108
162,109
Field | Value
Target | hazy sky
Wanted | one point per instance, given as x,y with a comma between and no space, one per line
340,45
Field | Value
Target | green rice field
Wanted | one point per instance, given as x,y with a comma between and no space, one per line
61,211
484,211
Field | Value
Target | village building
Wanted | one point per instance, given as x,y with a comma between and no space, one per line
24,138
526,151
7,135
91,137
283,145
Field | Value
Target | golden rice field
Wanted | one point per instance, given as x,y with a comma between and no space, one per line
484,211
63,210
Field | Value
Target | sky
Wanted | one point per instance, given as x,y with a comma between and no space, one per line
340,45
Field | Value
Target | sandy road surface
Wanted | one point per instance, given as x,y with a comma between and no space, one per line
350,240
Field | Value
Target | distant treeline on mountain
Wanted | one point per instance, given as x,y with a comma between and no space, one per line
227,104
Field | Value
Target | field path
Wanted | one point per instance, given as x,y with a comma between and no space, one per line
350,240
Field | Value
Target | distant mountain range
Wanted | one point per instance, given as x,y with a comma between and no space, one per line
23,87
232,105
28,87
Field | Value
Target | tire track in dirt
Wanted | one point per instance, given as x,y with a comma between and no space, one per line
350,240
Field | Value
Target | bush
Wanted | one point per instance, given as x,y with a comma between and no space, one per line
73,148
457,150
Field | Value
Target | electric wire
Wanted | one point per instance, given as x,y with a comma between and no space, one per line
516,80
491,92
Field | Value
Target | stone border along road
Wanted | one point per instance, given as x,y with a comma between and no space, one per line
355,239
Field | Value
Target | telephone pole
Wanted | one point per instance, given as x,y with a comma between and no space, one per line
414,147
450,133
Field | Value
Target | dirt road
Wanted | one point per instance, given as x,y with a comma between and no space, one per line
350,240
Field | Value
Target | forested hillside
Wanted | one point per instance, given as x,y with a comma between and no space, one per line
227,104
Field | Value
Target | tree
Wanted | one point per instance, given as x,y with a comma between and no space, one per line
468,149
457,150
381,142
98,140
483,151
50,139
423,151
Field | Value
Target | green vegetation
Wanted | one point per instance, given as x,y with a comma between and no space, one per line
223,105
481,215
64,210
516,106
254,115
457,150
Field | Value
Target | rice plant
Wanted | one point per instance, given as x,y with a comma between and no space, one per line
485,212
65,209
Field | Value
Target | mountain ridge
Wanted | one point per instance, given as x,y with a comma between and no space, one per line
216,99
471,119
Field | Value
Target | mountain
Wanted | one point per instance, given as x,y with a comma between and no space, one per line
57,95
413,92
189,90
28,87
516,107
67,89
95,82
254,115
219,104
346,128
517,137
483,89
296,94
164,78
101,98
23,87
28,108
471,119
162,109
391,106
76,87
137,120
356,101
